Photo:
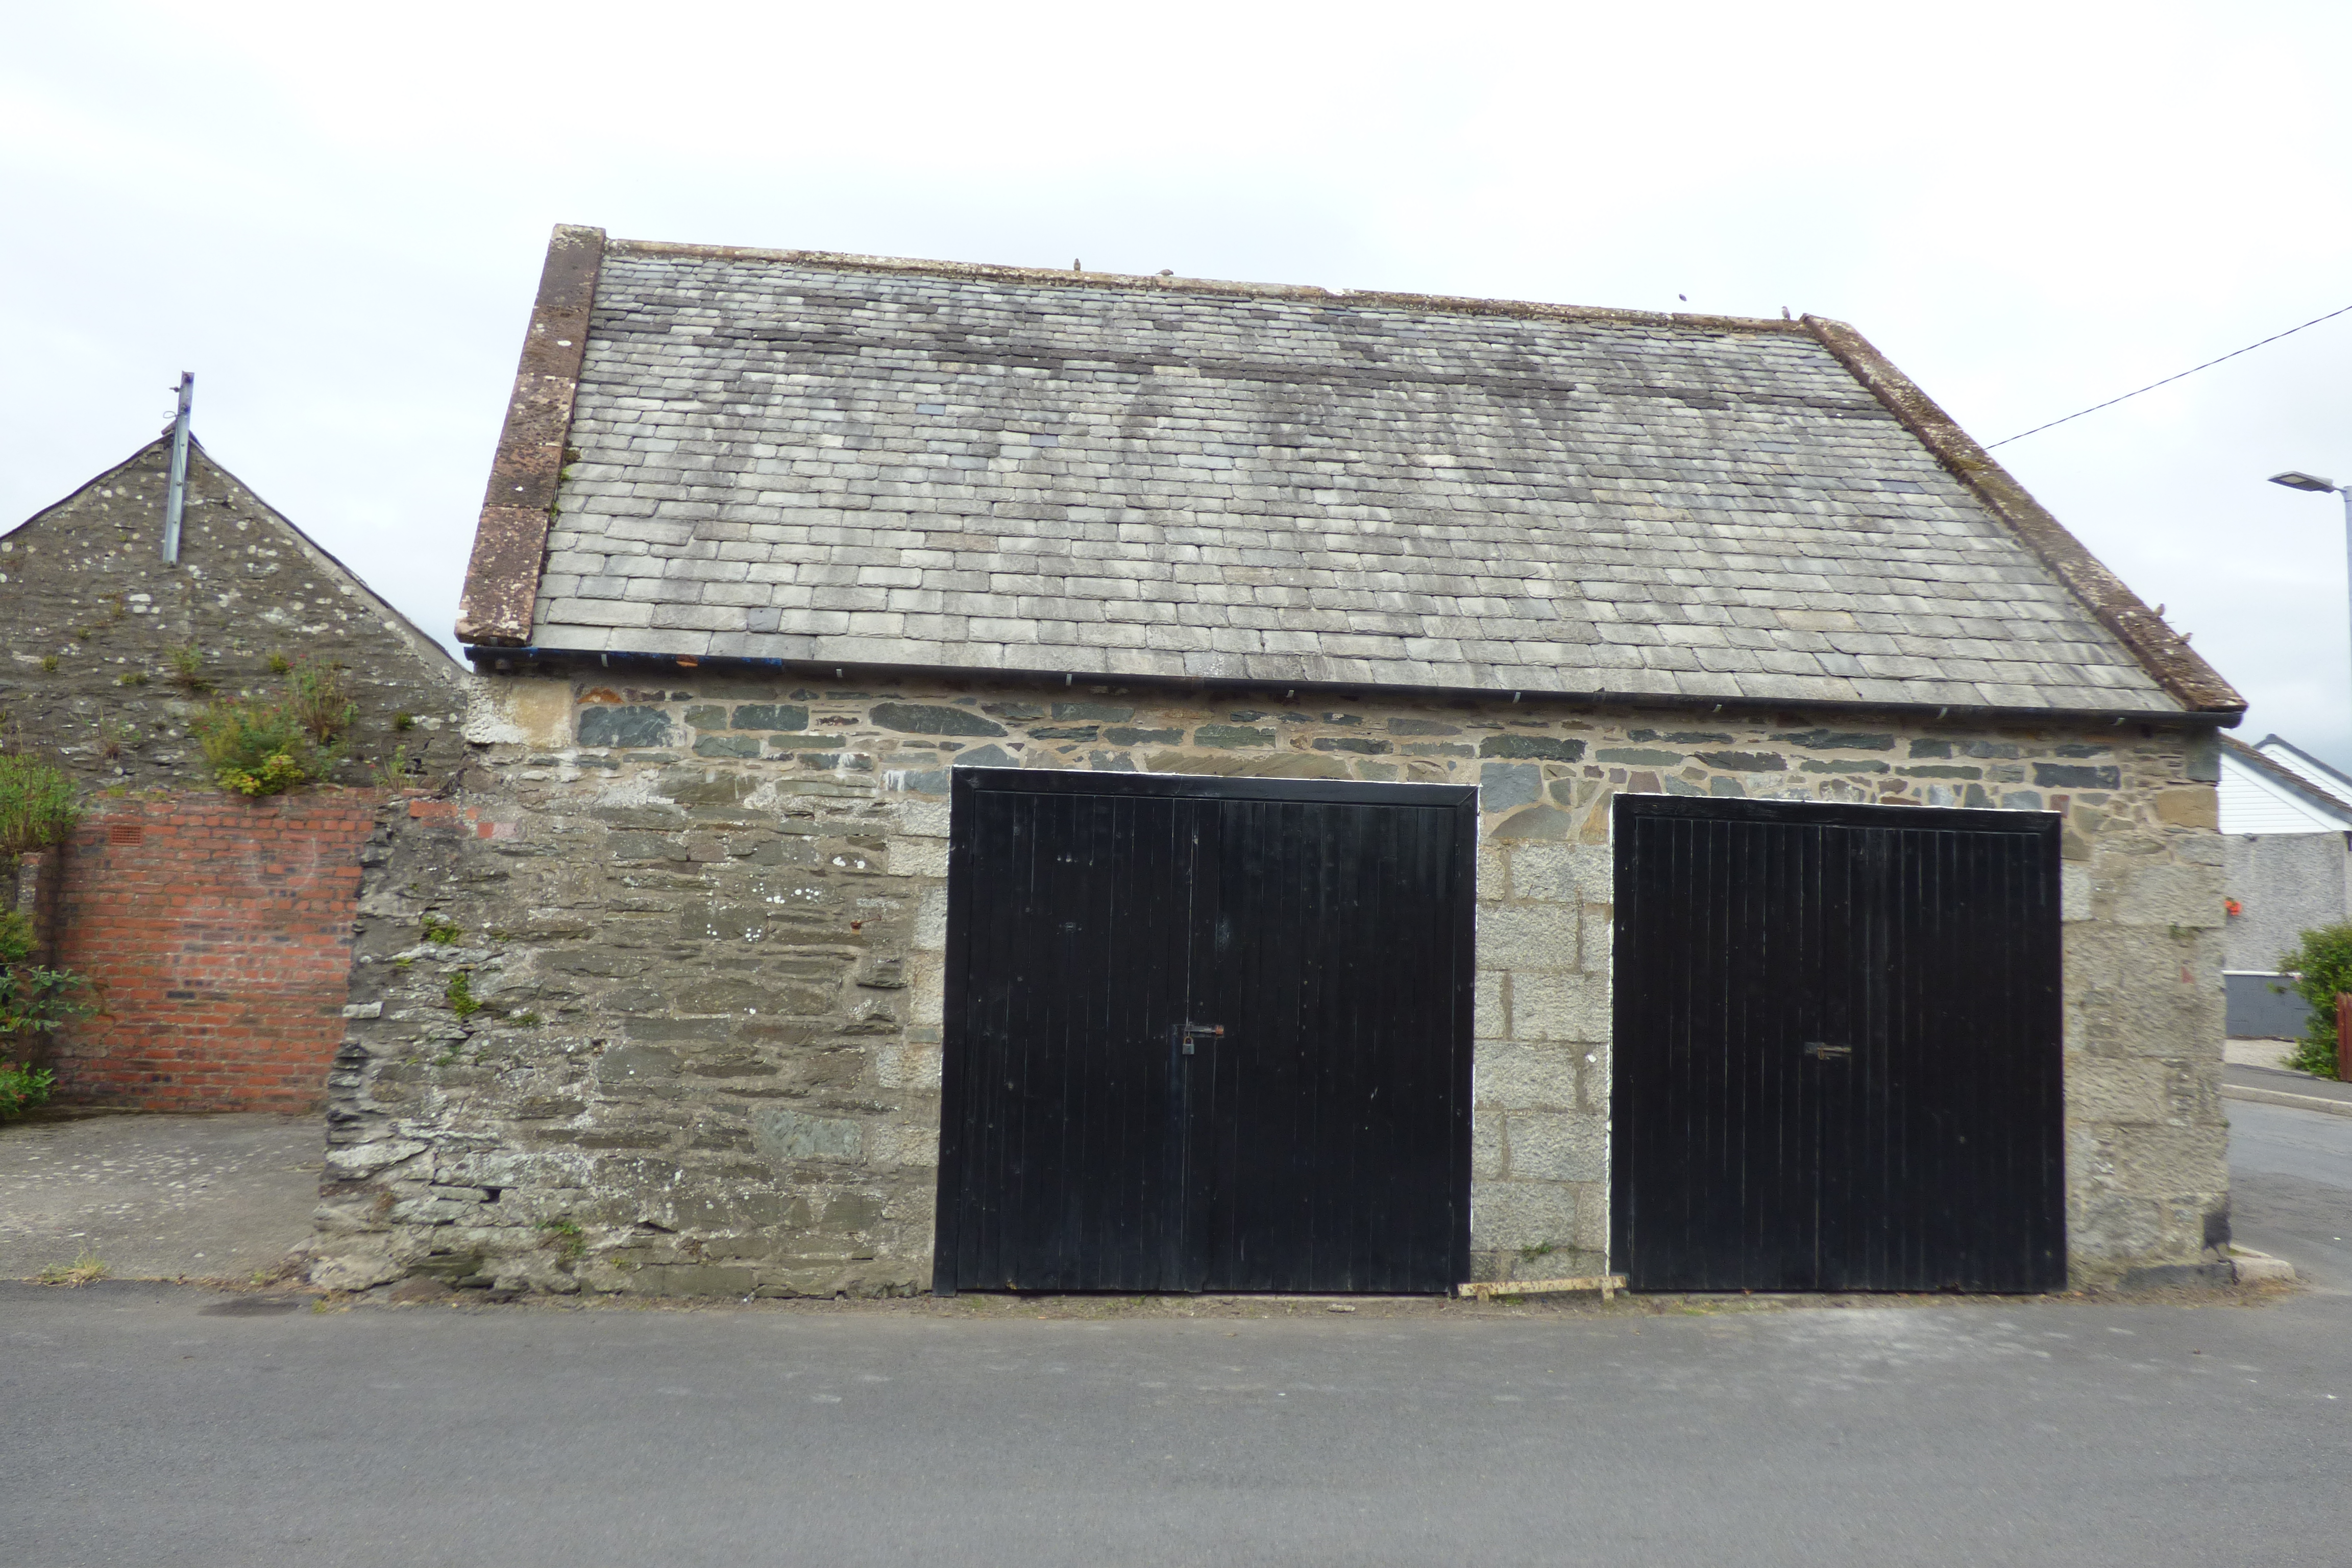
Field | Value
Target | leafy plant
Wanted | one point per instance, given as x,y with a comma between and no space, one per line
440,931
392,774
24,1087
403,722
258,748
37,806
34,998
571,1243
279,664
2323,962
267,748
48,664
461,995
132,678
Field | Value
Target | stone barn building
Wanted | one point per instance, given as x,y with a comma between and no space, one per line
217,928
1007,779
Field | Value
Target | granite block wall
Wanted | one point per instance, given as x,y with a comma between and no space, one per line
651,1000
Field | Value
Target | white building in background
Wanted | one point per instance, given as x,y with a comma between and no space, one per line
2285,818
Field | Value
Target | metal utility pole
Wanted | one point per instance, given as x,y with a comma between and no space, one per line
175,497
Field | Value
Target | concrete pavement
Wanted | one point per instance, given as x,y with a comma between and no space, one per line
158,1198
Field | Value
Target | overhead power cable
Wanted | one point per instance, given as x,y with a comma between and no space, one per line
2168,380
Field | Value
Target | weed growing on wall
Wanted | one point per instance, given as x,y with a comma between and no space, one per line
461,995
315,694
438,930
2324,960
571,1243
187,663
267,748
257,748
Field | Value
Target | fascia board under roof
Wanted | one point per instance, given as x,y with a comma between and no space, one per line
503,661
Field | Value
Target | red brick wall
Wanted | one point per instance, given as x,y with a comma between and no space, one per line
218,932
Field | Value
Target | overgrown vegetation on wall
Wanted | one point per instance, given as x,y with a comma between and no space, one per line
33,999
267,748
2324,960
36,807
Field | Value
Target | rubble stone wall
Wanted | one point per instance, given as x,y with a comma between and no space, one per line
652,1001
109,653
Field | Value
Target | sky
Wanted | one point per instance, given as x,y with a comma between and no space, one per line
335,216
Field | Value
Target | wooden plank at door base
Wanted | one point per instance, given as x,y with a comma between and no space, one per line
1487,1289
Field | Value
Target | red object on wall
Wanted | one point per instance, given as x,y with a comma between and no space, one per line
217,932
2343,1036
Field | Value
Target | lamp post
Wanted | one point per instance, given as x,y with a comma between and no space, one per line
2294,479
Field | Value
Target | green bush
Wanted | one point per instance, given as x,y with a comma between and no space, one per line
33,998
2324,961
269,748
22,1089
258,748
37,806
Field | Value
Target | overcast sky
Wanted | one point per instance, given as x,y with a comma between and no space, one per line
335,216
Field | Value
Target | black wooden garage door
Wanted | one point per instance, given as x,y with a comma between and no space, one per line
1837,1048
1206,1034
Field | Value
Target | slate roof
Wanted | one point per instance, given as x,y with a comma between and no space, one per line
806,458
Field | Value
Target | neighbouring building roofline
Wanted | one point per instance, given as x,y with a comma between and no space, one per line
2286,778
2161,651
2325,771
426,647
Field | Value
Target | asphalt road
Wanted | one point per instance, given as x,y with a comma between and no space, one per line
147,1423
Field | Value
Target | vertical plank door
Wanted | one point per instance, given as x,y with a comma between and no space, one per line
1205,1034
1330,1120
1836,1060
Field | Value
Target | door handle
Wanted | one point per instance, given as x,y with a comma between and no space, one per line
1188,1033
1822,1050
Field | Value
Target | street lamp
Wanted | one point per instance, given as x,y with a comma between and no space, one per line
2295,479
